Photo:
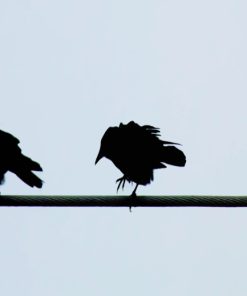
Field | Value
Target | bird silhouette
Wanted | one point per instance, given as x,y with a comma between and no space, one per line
136,151
11,159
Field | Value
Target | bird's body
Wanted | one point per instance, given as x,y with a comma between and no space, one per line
137,150
12,159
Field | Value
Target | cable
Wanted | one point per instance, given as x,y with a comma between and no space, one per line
122,201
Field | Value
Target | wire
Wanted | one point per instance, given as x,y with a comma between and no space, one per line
122,201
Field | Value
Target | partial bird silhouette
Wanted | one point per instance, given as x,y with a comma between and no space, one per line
136,151
11,159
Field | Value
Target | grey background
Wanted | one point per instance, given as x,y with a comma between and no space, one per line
69,70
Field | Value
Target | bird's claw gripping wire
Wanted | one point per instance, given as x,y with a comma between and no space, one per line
133,195
121,181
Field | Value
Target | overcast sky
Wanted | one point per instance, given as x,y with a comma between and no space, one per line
71,69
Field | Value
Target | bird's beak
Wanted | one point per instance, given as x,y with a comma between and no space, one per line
100,155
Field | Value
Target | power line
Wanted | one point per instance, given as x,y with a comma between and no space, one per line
123,201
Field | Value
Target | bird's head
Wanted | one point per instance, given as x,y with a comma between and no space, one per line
108,142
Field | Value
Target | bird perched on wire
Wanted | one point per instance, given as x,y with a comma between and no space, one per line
11,159
136,151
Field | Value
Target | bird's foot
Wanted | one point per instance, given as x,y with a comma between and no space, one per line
120,181
133,196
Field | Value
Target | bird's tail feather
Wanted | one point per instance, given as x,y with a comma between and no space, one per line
29,178
23,169
173,156
29,164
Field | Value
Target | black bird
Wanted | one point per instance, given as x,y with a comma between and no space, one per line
136,151
11,159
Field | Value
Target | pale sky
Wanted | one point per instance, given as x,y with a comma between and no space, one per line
71,69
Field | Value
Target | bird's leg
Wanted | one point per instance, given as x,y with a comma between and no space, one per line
133,194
